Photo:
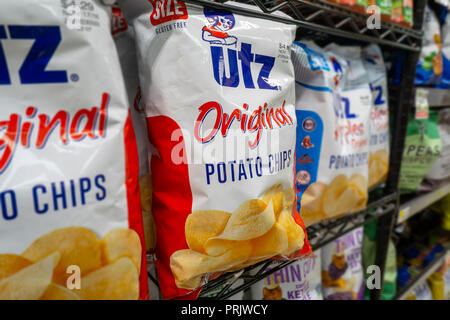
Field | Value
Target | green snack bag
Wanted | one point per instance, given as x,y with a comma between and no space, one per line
385,7
423,147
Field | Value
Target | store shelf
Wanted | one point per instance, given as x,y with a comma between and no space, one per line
438,97
419,203
319,16
432,267
319,235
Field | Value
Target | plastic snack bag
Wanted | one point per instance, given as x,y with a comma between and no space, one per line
70,212
429,68
423,147
219,100
332,135
123,34
342,274
379,115
298,281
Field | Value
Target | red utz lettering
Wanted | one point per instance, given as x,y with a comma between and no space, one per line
167,10
118,22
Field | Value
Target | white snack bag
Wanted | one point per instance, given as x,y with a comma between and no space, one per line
379,115
300,280
342,272
123,34
218,91
69,192
332,134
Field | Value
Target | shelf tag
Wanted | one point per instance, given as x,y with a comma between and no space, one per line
422,106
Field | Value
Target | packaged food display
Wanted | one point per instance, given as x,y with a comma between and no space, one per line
429,67
379,115
224,133
71,222
331,176
300,280
423,147
342,274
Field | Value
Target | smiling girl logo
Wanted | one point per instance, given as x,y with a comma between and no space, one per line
219,23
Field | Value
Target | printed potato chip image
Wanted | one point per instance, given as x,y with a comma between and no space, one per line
275,194
30,282
11,263
311,203
295,233
57,292
202,225
188,264
77,246
250,220
272,243
116,281
120,243
378,167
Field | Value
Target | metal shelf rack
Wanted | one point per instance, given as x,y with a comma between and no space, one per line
417,204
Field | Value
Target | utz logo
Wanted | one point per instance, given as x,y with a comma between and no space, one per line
338,70
225,54
219,24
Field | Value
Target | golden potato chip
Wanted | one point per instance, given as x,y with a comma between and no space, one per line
295,233
332,193
190,284
378,167
202,225
274,193
57,292
289,198
187,264
252,219
119,243
116,281
11,263
146,188
311,203
382,155
31,282
217,247
149,230
77,245
358,182
270,244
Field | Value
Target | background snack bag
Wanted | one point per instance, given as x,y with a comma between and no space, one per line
429,68
298,281
342,274
69,185
421,292
423,147
445,35
379,115
224,132
123,34
332,157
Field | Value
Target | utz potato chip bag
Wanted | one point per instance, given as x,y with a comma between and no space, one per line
70,213
332,133
297,281
218,92
123,35
379,115
342,273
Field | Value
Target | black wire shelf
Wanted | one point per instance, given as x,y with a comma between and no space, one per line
321,17
319,235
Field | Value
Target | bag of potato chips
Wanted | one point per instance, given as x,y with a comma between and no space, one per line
300,280
219,100
123,34
379,115
342,273
70,215
332,133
